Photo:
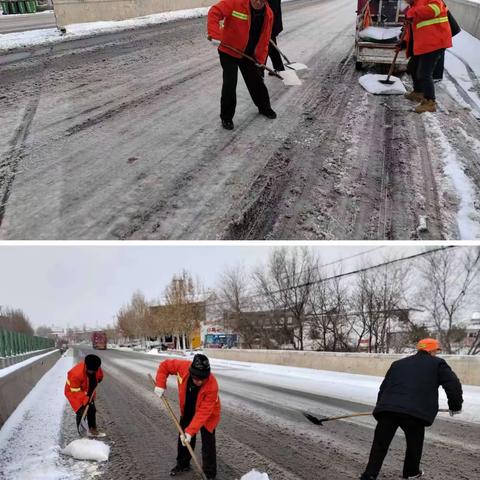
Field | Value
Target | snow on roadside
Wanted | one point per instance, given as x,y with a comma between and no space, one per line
78,30
29,439
465,52
11,368
467,216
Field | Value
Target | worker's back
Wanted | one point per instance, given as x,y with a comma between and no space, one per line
411,387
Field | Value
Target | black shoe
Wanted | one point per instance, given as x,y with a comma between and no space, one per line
211,477
367,477
227,124
179,469
269,113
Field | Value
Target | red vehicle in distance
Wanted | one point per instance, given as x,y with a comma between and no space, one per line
99,340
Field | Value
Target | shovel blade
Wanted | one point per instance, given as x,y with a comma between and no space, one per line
297,66
290,77
83,427
313,419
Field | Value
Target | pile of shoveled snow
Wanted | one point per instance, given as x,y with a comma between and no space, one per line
380,34
87,449
371,84
255,475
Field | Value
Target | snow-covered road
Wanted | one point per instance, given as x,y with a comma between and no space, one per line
118,137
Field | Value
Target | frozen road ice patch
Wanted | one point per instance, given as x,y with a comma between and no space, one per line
86,449
255,475
371,84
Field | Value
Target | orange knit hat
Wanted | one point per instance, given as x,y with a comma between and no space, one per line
429,345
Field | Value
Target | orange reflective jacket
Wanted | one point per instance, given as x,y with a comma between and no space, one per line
207,410
235,15
76,388
429,28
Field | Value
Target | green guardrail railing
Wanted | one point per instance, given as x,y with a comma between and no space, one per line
10,7
14,343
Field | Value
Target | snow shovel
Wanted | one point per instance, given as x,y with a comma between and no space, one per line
83,425
319,421
293,65
180,429
288,77
387,81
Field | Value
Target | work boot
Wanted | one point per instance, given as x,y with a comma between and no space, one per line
426,106
420,474
179,469
268,112
227,124
414,96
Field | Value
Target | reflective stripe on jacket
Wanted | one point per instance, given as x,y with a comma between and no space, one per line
76,386
430,27
207,409
235,15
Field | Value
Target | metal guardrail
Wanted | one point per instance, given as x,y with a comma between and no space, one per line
14,343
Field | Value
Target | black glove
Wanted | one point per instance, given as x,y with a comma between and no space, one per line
402,45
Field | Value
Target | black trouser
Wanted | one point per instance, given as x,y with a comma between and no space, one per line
209,450
439,67
275,56
91,415
388,423
253,78
421,69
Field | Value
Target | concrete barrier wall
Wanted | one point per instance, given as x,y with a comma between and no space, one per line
15,386
467,14
82,11
466,367
7,361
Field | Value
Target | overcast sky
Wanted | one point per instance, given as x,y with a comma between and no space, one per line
68,286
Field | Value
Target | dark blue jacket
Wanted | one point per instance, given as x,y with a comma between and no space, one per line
411,387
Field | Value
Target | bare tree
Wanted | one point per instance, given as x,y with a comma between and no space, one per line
287,285
378,296
329,325
43,331
184,309
450,280
14,319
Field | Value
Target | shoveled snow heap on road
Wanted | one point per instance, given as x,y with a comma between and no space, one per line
371,84
255,475
87,449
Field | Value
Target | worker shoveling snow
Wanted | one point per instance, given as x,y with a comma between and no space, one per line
86,449
372,84
255,475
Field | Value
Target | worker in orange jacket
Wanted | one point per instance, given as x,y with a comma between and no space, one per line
428,35
82,381
247,27
199,408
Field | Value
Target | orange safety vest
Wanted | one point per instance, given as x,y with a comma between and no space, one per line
429,28
207,408
235,15
76,387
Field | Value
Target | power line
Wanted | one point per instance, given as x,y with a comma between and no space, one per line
341,275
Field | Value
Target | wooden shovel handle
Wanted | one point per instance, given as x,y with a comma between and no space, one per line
248,57
180,430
